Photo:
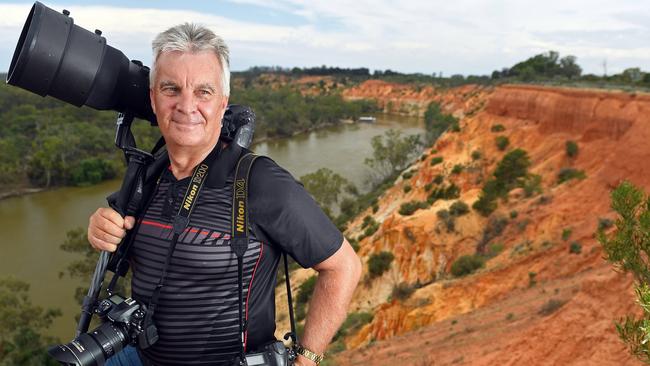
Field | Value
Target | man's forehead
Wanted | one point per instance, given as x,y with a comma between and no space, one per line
200,67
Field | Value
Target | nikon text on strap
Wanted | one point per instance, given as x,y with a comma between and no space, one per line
239,235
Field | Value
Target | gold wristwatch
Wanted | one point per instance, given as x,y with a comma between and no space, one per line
309,354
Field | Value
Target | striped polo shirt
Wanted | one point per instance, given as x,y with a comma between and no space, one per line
197,311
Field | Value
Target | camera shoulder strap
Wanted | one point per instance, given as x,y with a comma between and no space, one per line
239,244
239,236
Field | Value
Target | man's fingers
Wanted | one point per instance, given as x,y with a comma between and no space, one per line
112,216
110,228
100,244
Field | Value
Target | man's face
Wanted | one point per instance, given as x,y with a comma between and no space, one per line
186,97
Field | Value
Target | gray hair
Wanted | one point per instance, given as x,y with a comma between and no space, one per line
191,37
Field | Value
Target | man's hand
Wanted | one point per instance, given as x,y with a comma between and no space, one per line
106,228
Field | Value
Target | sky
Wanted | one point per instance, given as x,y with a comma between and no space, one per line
449,37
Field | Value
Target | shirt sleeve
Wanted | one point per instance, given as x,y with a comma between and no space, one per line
286,216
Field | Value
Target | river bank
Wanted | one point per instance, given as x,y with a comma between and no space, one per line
14,192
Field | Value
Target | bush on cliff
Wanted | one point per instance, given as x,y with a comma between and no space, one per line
437,122
511,171
467,264
628,249
378,263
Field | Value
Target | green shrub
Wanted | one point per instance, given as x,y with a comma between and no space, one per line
457,169
485,204
567,174
495,226
436,160
407,188
575,248
437,122
511,168
604,223
447,219
371,228
402,291
427,187
353,322
354,243
476,155
571,149
551,306
408,208
305,291
367,220
444,193
455,127
566,233
532,184
439,179
458,208
508,173
532,279
466,264
407,175
502,142
497,128
494,249
514,214
378,263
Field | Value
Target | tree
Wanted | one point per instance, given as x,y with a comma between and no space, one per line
325,186
569,67
628,248
21,341
392,152
436,122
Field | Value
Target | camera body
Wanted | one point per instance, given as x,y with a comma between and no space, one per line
131,315
273,354
125,322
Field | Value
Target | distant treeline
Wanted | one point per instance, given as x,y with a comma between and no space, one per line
45,142
286,111
546,67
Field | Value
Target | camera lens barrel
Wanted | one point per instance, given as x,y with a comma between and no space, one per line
58,58
94,348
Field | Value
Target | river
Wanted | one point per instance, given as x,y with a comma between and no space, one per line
34,226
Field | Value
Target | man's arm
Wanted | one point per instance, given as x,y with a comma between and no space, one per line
338,276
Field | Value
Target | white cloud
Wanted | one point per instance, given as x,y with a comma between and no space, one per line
461,36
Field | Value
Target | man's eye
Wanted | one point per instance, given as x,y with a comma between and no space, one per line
169,89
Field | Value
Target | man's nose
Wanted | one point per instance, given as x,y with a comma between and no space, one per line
186,102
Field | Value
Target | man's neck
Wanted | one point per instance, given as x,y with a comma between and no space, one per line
183,160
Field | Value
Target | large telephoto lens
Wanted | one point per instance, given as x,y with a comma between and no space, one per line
93,348
58,58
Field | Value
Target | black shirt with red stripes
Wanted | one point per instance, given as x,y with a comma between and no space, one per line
197,311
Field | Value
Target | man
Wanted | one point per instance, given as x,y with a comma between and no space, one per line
197,310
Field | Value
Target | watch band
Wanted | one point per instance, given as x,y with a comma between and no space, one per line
307,353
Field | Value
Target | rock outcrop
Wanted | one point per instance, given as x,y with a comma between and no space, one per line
558,306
